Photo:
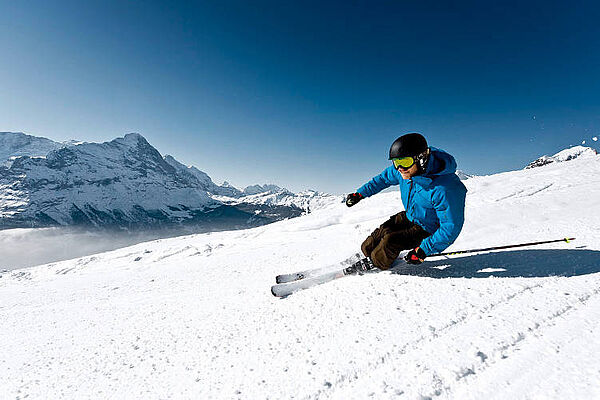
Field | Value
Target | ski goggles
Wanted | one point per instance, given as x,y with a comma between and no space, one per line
404,162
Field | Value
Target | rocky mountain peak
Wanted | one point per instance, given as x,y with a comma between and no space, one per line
19,144
256,189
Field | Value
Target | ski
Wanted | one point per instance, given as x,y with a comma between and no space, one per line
309,273
285,289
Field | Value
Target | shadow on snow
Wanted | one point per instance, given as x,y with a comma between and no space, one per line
508,264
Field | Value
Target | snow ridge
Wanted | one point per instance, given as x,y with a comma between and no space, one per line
564,155
463,175
17,144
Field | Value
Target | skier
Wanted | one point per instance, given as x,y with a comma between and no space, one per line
433,197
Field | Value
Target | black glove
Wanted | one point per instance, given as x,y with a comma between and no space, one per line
415,256
353,198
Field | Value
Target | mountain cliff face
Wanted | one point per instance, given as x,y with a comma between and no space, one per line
125,183
13,145
564,155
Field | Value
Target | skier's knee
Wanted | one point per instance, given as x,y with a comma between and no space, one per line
382,255
380,259
367,246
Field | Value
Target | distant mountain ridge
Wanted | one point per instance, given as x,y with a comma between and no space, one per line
13,145
463,175
564,155
127,183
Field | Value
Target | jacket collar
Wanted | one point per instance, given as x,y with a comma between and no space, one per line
440,163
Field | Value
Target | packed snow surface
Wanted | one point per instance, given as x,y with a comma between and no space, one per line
193,317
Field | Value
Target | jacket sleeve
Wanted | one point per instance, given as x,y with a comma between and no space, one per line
449,204
384,180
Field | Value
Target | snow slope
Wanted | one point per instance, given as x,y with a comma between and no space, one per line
193,317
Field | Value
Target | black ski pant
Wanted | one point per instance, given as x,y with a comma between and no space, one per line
384,244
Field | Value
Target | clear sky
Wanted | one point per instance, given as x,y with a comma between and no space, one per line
306,94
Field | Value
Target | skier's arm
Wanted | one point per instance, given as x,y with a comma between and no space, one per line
449,206
384,180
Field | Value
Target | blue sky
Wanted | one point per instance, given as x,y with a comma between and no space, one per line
305,94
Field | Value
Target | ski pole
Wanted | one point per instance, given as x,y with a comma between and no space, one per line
501,247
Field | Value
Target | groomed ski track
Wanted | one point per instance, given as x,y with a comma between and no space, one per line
193,317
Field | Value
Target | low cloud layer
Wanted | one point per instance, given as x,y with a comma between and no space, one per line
28,247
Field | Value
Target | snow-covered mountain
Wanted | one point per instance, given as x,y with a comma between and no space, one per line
463,175
17,144
127,183
193,317
564,155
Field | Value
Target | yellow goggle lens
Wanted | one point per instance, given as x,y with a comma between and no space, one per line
404,162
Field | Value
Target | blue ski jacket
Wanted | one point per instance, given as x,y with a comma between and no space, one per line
434,200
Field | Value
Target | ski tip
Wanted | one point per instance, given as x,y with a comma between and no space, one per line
277,293
274,291
283,279
289,278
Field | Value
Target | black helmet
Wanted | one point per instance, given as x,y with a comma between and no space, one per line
409,145
412,145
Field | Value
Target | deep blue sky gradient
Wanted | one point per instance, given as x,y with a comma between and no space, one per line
306,94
